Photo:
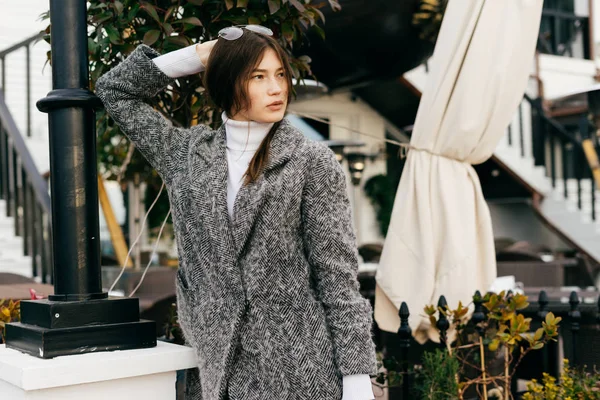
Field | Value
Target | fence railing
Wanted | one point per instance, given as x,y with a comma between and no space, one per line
578,340
24,44
21,185
565,34
561,152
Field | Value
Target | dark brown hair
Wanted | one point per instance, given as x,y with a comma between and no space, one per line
228,71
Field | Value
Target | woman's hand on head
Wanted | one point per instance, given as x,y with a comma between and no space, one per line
203,50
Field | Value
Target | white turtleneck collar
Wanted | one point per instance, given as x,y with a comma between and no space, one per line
243,140
245,135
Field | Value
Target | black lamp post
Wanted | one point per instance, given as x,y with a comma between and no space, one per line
79,317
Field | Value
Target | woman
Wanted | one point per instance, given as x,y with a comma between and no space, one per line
266,288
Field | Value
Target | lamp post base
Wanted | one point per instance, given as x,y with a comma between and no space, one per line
51,328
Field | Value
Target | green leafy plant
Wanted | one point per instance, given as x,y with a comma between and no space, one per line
574,384
482,359
10,311
501,332
117,27
381,192
436,379
428,18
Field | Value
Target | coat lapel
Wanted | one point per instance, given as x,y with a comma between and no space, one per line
209,189
252,197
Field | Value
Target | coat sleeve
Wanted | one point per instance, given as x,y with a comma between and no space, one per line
124,91
330,246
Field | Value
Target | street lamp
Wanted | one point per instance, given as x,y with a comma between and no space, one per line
79,317
338,147
356,165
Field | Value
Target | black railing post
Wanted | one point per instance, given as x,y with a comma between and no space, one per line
443,324
478,314
538,140
405,335
565,173
35,265
28,87
521,138
553,162
542,313
25,204
47,327
3,180
574,318
3,81
598,310
556,34
16,167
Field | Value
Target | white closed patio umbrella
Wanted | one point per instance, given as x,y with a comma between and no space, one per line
440,239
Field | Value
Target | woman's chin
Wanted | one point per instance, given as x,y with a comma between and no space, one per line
271,117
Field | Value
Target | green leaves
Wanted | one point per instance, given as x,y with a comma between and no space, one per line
118,6
151,37
151,11
113,34
190,20
274,6
335,5
297,5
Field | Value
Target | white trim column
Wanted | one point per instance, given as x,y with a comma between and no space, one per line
148,374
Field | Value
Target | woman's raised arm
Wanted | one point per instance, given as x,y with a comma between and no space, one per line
124,91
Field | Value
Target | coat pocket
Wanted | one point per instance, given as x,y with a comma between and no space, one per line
185,301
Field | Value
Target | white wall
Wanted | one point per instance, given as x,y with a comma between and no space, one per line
518,221
563,75
342,111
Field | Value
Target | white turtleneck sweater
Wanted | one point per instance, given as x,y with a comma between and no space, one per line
243,139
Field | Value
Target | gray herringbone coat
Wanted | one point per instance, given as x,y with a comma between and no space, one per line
277,279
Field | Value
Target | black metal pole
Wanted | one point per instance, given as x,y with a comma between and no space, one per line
71,121
79,317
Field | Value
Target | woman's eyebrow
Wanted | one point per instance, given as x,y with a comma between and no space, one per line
264,70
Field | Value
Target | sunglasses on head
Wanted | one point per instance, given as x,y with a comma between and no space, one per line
236,32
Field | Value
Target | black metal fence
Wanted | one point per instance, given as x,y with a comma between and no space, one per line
562,33
578,341
21,185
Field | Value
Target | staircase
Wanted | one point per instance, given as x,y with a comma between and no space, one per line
25,211
12,259
548,159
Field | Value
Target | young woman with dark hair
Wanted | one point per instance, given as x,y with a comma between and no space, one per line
267,287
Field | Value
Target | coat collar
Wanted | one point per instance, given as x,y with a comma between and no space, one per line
251,197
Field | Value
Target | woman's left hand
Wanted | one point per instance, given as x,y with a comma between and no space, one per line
203,50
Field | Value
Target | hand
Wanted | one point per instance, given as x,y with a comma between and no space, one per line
203,50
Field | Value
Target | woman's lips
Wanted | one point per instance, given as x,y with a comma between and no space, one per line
276,106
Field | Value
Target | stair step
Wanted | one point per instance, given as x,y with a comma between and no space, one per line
21,266
6,225
10,242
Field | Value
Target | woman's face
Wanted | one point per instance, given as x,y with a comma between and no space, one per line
267,91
